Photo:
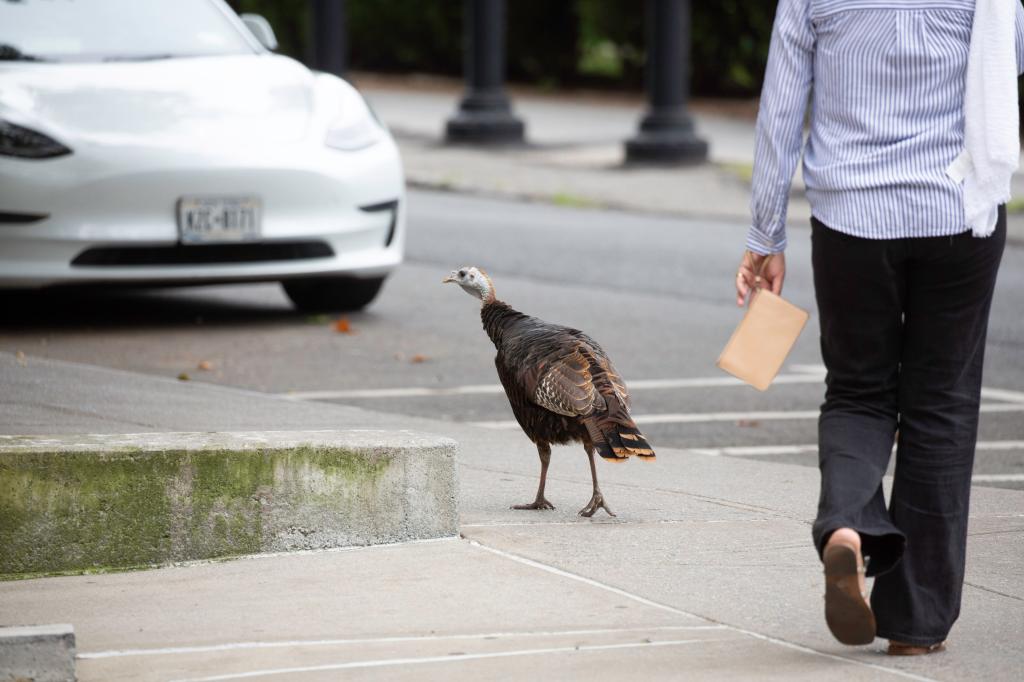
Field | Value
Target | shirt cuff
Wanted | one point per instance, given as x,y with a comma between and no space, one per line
763,244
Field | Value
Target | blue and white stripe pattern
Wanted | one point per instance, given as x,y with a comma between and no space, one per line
886,83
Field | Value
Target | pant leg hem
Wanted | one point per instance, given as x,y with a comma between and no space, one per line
909,639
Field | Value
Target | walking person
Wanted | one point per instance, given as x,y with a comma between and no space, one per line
913,141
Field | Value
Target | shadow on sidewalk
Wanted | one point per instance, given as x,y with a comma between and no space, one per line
98,308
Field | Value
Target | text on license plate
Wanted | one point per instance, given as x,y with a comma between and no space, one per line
218,219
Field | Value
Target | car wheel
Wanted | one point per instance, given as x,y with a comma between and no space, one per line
329,294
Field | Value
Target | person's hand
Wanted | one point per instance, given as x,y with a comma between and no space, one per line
748,279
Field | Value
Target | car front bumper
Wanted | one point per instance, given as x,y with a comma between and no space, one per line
120,200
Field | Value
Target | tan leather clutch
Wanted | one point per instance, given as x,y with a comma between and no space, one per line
763,339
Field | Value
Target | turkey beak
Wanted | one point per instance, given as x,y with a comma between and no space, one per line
450,278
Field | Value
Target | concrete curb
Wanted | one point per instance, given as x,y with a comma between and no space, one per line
100,502
40,653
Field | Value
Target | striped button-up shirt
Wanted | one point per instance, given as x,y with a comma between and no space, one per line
885,79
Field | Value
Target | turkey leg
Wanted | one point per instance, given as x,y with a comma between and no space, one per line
597,500
544,450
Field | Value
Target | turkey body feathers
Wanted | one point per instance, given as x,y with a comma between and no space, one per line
561,385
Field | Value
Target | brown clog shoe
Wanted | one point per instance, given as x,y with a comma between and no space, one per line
847,611
904,649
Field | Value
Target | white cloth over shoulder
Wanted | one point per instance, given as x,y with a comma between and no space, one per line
991,118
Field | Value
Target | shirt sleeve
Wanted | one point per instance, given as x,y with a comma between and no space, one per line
1020,38
780,124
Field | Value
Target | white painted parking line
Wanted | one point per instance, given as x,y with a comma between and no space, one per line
776,450
997,478
1000,445
681,418
708,417
495,389
804,374
1002,394
809,369
410,392
451,658
754,450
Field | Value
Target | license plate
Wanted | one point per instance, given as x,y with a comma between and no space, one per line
205,220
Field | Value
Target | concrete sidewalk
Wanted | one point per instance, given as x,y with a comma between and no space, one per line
574,153
706,573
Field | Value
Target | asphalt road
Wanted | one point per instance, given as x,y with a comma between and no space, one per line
655,291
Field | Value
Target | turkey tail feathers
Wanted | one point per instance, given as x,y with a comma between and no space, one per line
617,442
614,433
635,444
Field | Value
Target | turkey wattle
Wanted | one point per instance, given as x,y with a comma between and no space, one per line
561,385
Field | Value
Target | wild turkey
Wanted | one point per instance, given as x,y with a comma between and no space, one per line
561,385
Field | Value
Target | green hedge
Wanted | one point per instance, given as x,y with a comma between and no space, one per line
596,43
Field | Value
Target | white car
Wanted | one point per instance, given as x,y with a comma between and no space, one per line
162,142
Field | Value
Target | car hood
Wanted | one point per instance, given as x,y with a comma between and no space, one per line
165,102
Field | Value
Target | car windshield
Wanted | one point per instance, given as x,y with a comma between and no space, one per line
99,30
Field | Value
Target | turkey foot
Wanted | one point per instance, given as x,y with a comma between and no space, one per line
539,503
596,502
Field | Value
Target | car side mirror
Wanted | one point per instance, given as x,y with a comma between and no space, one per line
261,30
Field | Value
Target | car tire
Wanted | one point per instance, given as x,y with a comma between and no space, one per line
332,294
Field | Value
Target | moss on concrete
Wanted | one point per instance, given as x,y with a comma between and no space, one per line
92,509
87,512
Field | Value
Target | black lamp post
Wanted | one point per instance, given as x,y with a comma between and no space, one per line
330,44
485,114
666,132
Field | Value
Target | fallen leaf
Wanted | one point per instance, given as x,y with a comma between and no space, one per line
342,326
417,359
748,423
184,377
317,319
20,357
205,365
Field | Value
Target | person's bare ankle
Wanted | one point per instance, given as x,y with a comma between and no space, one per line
846,536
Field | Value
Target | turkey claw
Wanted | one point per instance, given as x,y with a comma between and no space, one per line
596,502
536,504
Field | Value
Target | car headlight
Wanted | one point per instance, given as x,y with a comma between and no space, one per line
356,127
28,144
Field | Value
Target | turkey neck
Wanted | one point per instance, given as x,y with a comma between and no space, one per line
497,317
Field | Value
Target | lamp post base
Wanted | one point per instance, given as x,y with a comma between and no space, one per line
475,126
668,148
666,136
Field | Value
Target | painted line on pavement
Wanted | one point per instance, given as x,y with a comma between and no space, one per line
232,646
613,522
775,450
672,609
496,389
1002,394
450,658
997,478
708,417
753,450
682,418
804,374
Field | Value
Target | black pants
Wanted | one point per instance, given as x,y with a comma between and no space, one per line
903,325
